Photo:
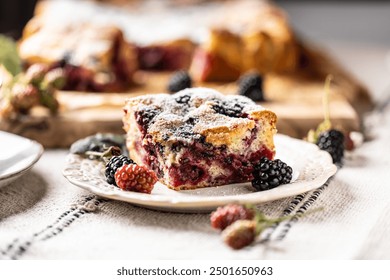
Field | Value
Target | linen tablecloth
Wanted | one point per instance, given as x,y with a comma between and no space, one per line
43,216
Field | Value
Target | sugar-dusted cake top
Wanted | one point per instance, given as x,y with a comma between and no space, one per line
197,113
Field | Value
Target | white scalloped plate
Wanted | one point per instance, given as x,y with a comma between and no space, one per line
312,168
17,156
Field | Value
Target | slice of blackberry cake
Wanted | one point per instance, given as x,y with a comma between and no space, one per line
198,137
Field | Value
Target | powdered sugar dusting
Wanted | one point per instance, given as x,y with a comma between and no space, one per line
188,114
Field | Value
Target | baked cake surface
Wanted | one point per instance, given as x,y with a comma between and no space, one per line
95,56
198,137
218,40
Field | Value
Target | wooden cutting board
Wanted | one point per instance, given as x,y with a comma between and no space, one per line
295,98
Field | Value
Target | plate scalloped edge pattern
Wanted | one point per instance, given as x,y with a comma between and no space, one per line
314,168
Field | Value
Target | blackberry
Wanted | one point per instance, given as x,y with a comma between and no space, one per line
332,141
183,99
112,166
145,117
269,174
230,110
251,86
179,81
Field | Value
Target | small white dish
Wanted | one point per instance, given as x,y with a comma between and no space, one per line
312,168
17,155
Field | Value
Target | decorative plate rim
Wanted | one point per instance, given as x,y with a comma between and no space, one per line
184,201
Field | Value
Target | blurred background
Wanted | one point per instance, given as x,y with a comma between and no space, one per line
317,20
348,29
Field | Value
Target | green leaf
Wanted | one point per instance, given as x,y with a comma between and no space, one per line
9,55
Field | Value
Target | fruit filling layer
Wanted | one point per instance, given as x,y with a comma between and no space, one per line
202,163
198,137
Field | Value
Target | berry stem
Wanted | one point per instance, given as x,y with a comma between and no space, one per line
325,101
326,124
262,222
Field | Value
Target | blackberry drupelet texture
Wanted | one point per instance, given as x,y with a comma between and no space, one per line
112,166
269,174
332,141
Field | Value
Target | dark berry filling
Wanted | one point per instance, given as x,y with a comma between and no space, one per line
230,110
145,117
196,161
183,99
193,156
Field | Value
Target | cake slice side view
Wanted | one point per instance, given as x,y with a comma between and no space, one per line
198,137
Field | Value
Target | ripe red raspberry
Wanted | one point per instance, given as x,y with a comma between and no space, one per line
240,234
226,215
136,178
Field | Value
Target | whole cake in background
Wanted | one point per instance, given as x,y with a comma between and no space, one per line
100,46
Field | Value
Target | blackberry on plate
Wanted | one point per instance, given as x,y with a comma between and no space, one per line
332,141
251,86
269,174
112,166
180,80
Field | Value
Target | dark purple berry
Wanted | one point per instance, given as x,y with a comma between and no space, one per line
251,86
145,117
179,81
112,166
332,141
269,174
